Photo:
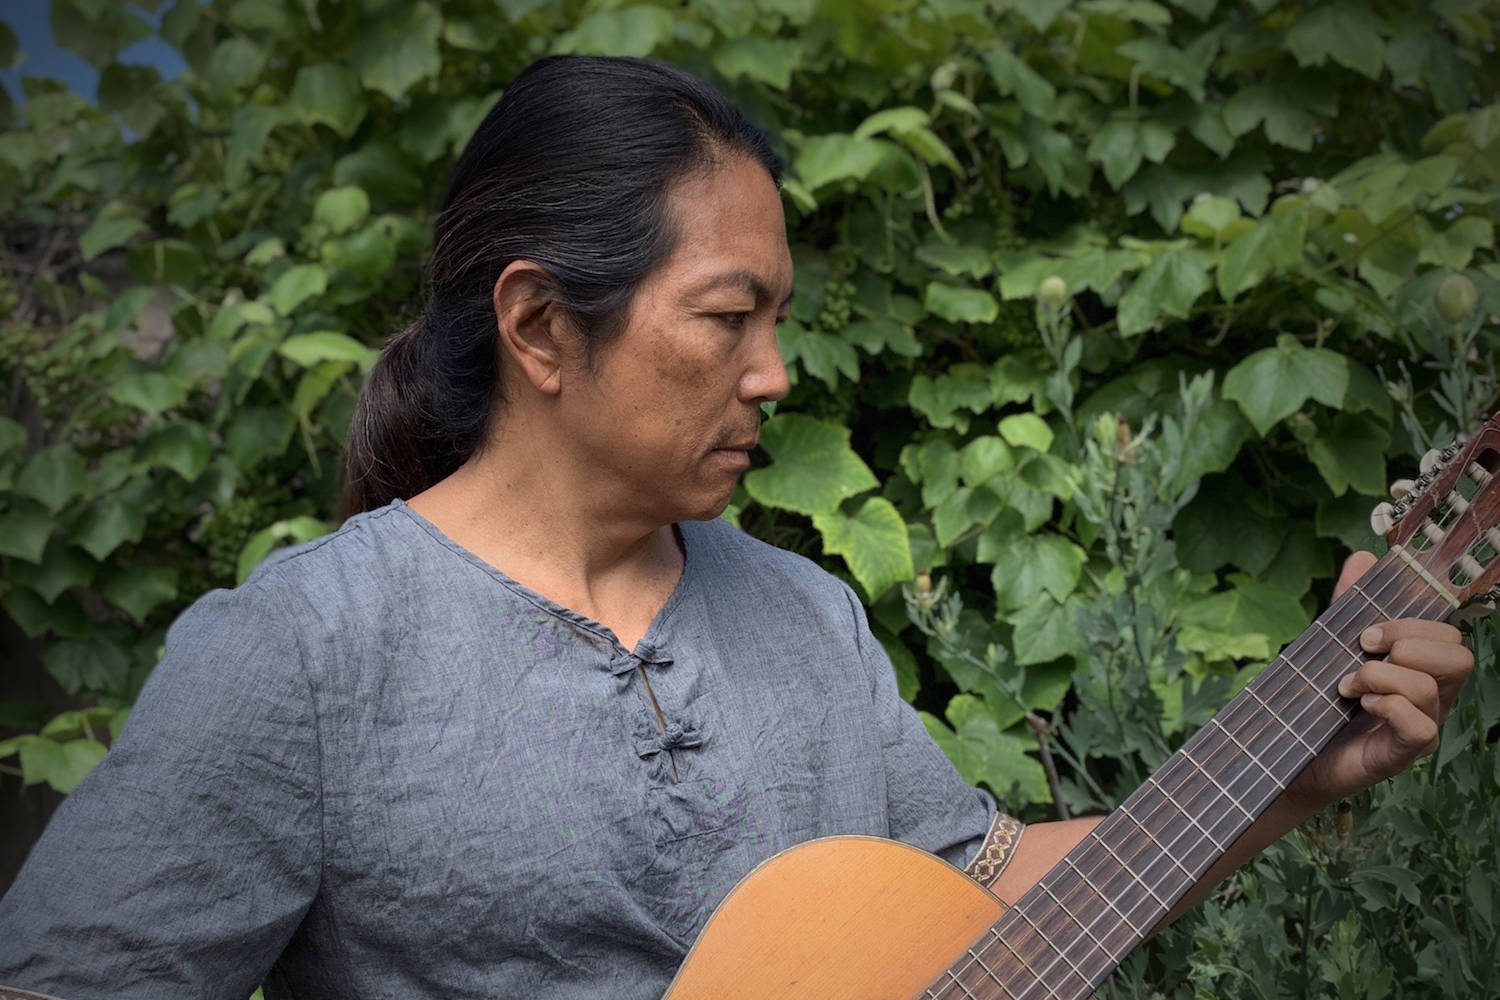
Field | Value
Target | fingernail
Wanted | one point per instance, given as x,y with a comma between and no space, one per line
1346,685
1372,636
1368,701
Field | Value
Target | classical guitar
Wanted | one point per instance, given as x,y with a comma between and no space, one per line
862,918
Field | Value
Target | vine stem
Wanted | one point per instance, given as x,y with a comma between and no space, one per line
1040,729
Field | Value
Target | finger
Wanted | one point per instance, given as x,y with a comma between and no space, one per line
1381,677
1446,661
1413,732
1354,567
1378,638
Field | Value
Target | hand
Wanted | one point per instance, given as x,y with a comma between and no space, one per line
1405,697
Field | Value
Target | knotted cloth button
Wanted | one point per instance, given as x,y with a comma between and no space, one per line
675,737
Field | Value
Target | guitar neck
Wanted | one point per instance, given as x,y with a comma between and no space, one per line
1064,936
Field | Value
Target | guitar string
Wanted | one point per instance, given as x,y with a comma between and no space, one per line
1166,801
1295,678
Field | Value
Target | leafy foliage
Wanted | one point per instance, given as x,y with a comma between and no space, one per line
1111,320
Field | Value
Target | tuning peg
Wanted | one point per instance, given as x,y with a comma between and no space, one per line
1382,518
1403,488
1431,461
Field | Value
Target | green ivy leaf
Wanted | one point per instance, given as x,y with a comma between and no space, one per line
960,305
1454,247
258,431
139,589
23,532
984,458
61,567
1014,77
768,60
1028,567
327,94
61,765
249,140
1045,630
296,285
940,398
398,50
983,754
633,31
150,392
1026,430
115,223
182,446
813,469
1211,444
824,159
957,259
1169,287
1272,243
1343,32
1273,383
235,64
52,476
342,208
92,664
1249,608
108,523
873,542
1351,452
309,349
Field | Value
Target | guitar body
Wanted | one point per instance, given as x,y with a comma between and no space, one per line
841,918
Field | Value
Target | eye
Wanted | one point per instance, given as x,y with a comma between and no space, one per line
735,320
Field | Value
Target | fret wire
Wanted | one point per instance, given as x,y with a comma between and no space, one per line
1214,721
1108,901
960,984
1341,644
1151,780
1087,927
1310,682
991,973
1369,600
1170,856
1061,953
1224,791
1036,977
1121,862
1295,735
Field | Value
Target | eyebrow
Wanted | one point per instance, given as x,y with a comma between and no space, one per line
742,281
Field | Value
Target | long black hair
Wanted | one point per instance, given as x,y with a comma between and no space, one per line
570,169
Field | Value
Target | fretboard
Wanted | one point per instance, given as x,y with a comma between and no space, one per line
1064,936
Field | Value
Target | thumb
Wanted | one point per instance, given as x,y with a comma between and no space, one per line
1354,567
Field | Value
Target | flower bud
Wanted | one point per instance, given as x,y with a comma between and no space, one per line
1455,298
1053,289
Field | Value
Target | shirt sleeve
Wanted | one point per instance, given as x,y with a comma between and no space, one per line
183,863
929,805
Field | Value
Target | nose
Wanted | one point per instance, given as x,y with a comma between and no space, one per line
765,378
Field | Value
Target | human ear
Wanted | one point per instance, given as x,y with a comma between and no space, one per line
533,329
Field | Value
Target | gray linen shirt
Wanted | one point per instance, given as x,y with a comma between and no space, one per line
382,768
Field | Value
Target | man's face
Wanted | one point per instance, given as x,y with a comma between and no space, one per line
672,407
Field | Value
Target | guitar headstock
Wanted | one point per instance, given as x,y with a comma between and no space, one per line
1448,518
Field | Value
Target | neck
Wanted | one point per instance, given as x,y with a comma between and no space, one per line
521,506
1063,937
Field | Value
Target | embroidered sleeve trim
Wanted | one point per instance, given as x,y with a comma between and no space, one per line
999,847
